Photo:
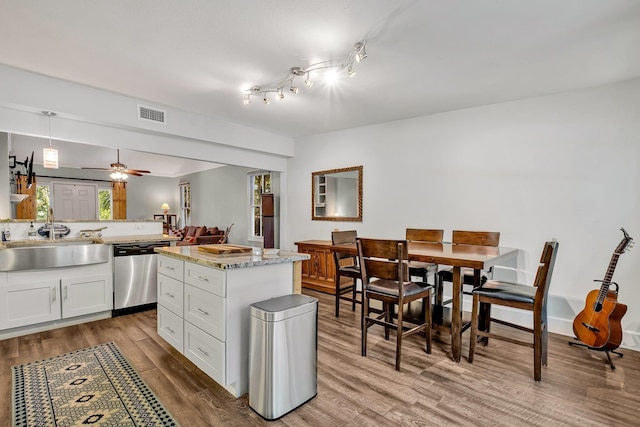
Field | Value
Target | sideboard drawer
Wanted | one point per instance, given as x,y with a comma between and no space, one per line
170,294
171,328
171,267
205,278
205,310
205,351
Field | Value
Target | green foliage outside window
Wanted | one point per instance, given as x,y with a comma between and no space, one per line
104,203
42,202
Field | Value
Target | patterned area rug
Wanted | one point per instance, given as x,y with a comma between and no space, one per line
91,386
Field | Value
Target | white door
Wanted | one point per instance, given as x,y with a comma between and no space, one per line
75,201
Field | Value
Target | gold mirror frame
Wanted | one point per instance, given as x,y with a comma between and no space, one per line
321,201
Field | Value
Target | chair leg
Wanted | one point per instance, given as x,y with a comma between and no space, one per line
399,338
473,335
364,326
387,307
537,346
428,320
337,292
353,294
437,311
545,335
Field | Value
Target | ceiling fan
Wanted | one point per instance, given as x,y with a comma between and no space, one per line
119,171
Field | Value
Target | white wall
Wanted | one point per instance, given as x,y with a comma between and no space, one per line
563,166
219,198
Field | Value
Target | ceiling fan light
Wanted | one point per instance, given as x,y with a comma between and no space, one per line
118,176
50,158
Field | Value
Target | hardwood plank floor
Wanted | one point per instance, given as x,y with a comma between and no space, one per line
577,388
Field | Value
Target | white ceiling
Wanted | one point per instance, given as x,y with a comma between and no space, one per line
425,56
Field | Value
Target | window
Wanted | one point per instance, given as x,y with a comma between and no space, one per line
104,203
42,202
185,205
259,182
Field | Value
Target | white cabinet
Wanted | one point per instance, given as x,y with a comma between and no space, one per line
86,294
211,328
37,296
26,303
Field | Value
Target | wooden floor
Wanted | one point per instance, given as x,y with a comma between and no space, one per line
577,387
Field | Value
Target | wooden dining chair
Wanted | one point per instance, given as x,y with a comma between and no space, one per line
346,265
424,269
385,278
459,237
523,297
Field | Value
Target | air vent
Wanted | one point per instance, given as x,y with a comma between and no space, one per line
151,114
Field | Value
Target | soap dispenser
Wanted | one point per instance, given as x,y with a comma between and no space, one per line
32,232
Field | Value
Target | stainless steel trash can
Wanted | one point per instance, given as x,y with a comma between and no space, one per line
283,351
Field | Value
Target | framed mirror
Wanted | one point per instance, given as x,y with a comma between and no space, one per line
336,194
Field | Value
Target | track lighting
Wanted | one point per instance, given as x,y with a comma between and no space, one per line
357,54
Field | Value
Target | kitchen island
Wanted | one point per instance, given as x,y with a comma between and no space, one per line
203,305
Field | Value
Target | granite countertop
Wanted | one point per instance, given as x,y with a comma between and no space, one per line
229,261
109,240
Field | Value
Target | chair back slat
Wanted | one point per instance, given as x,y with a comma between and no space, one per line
479,238
383,259
424,235
545,270
342,237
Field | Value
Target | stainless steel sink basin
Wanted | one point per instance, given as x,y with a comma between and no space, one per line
56,254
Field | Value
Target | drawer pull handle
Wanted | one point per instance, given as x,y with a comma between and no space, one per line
66,293
202,351
202,311
53,295
203,279
169,267
170,330
170,295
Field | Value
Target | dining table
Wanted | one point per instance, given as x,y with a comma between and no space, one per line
457,256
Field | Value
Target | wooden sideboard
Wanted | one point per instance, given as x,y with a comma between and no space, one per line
318,273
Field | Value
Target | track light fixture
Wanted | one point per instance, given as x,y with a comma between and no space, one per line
357,54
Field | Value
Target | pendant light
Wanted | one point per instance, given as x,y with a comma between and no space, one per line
49,154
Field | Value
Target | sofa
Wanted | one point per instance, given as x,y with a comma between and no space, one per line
198,235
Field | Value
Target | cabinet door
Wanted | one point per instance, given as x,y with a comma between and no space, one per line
29,303
85,295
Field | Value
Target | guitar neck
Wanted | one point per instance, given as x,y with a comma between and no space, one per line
604,289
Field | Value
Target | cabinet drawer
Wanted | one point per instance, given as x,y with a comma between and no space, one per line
205,278
171,267
170,294
205,351
171,328
206,311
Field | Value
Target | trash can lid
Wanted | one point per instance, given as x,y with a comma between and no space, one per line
284,307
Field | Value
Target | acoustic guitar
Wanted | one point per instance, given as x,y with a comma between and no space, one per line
598,324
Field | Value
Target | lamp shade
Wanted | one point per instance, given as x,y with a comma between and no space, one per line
50,158
165,207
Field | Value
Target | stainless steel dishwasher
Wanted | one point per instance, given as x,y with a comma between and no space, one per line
135,276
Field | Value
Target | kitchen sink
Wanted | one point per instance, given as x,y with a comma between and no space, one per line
52,254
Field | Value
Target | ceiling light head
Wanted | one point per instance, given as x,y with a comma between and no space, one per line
293,88
265,99
280,94
360,52
350,71
308,82
247,100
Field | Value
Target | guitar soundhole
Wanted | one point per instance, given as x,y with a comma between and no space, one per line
597,307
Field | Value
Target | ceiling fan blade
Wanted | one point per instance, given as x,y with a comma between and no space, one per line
97,169
137,170
131,172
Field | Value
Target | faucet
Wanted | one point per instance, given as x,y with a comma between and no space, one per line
52,230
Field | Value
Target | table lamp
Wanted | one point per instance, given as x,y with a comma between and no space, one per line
165,208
